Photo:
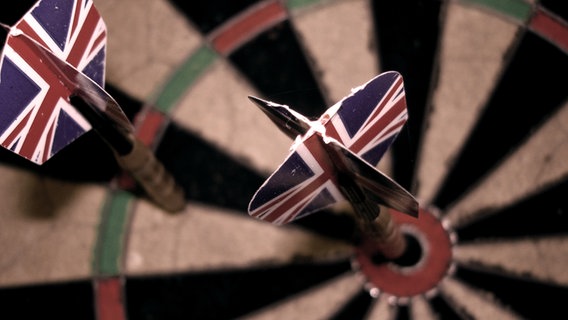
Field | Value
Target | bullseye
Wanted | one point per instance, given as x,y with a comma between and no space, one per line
425,262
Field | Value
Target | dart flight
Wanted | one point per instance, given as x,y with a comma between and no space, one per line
52,74
341,148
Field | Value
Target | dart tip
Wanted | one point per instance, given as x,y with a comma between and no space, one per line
260,102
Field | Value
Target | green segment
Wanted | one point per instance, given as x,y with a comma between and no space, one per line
295,4
110,240
184,78
517,9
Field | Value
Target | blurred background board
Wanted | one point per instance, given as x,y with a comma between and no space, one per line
484,149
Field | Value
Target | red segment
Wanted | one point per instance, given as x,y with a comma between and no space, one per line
551,28
109,299
246,26
149,125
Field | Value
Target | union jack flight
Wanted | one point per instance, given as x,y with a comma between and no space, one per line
38,119
334,158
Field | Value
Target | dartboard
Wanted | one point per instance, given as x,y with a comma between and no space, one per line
484,152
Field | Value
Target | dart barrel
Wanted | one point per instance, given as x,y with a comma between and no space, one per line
158,183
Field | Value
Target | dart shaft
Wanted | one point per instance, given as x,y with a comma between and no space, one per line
117,140
135,158
387,235
376,224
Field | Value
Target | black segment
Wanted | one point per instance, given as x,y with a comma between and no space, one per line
87,159
407,35
526,96
558,8
527,297
544,213
356,308
12,12
208,15
62,300
443,310
210,175
206,173
3,38
222,294
402,313
277,66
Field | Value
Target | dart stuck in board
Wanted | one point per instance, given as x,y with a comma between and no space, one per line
333,159
52,71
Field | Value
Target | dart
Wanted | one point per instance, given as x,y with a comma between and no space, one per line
52,77
334,158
